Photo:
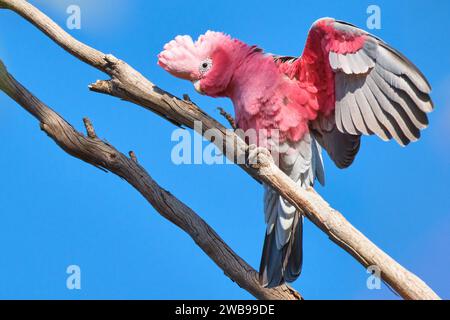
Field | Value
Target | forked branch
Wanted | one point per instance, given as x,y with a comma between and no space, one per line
128,84
103,155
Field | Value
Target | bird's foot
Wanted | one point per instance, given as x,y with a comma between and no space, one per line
257,156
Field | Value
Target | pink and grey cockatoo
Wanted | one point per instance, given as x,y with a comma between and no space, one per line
347,83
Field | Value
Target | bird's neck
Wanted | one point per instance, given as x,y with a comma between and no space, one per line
254,79
251,70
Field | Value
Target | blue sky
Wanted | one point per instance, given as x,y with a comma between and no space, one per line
56,211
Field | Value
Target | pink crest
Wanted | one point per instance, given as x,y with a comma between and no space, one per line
182,57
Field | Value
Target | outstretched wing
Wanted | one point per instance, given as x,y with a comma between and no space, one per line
364,87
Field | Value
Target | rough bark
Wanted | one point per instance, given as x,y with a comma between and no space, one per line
103,155
128,84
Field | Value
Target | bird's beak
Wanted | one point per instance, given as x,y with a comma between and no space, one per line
196,84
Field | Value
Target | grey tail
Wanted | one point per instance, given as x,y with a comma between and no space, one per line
283,253
282,265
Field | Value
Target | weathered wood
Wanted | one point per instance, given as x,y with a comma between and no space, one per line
128,84
103,155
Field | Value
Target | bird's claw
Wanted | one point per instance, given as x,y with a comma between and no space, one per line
254,154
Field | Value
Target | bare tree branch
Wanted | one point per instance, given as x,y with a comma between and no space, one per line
128,84
101,154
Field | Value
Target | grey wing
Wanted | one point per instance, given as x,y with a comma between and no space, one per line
379,91
341,147
282,253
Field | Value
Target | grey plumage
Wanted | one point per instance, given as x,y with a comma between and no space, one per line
351,63
377,91
342,148
282,253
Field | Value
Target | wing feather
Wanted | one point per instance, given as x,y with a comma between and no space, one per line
372,122
421,101
410,107
385,106
395,62
377,90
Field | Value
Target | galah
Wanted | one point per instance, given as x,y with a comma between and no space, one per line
347,83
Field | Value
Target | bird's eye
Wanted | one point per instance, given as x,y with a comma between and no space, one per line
205,66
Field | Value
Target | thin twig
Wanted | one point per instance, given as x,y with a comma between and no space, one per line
132,156
228,117
186,97
89,128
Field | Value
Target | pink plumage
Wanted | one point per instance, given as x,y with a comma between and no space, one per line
264,98
347,83
182,57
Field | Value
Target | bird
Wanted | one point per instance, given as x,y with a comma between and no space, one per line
347,83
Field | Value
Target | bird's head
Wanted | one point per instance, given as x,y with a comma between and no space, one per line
208,63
